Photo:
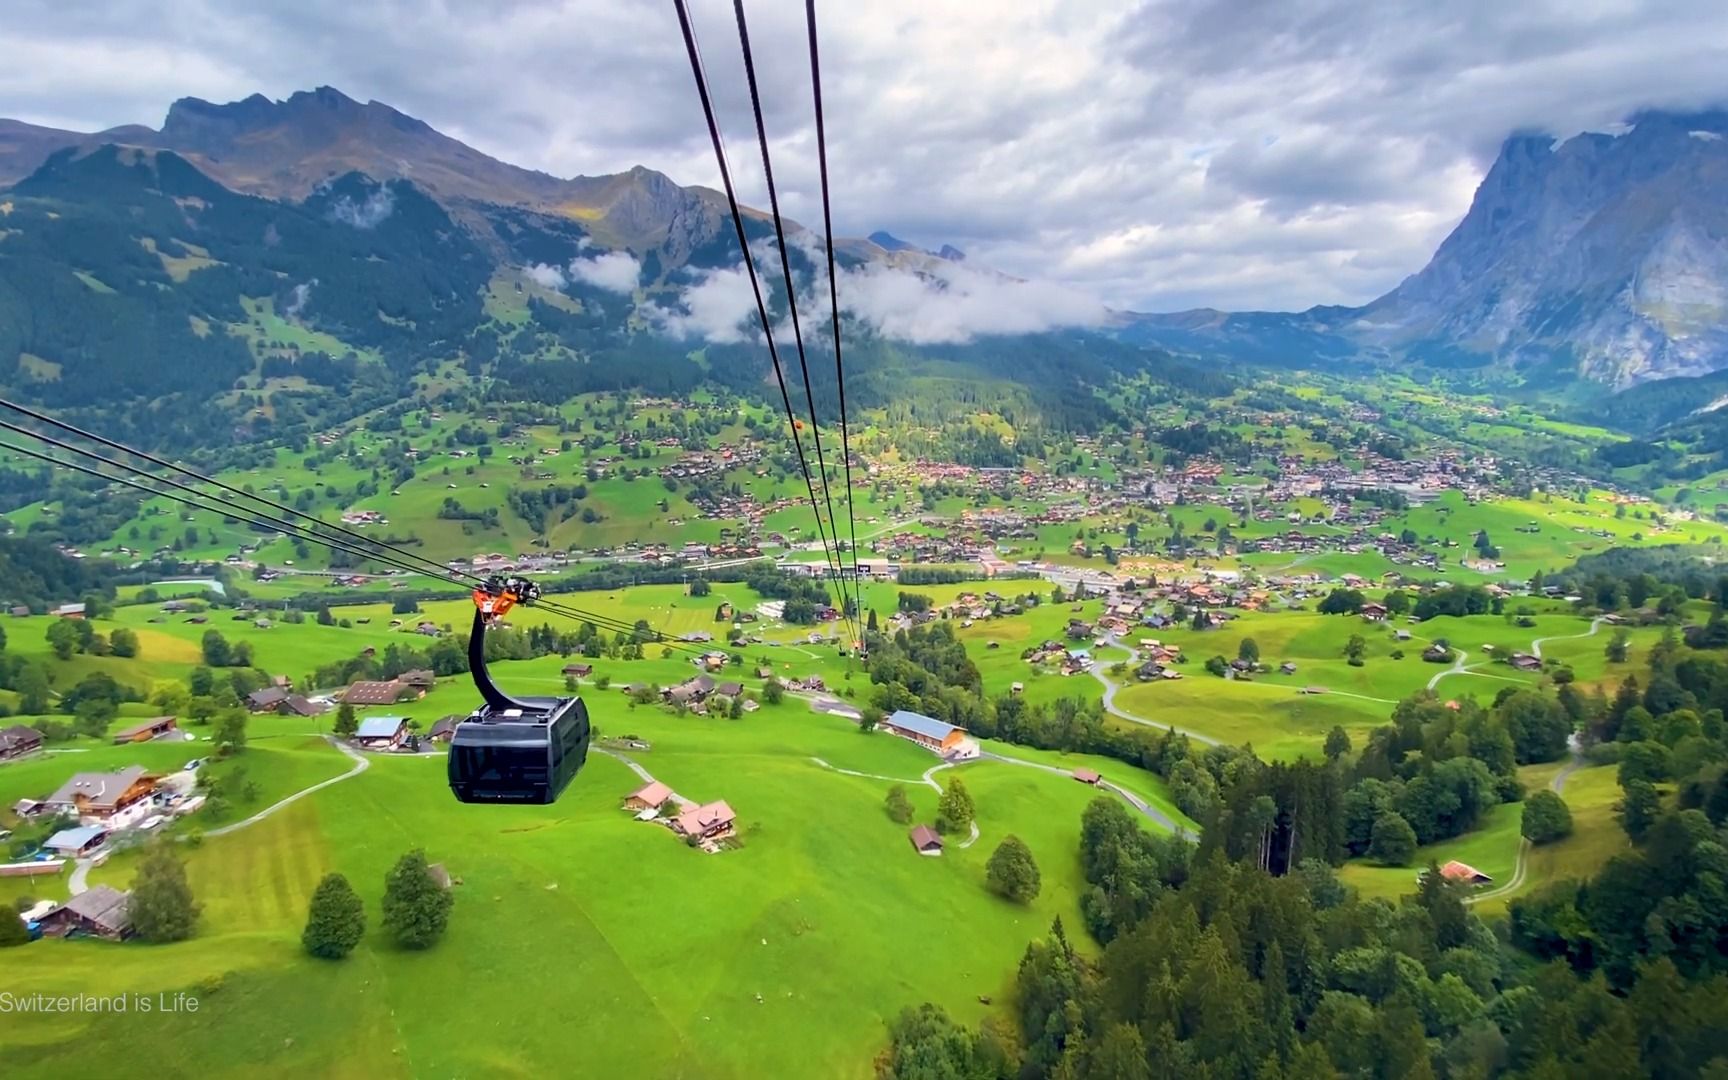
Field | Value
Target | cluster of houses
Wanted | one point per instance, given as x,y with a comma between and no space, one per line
1068,661
94,808
282,701
700,693
704,825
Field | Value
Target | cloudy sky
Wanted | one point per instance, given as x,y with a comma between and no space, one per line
1175,153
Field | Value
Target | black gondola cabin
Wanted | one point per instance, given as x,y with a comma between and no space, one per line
513,750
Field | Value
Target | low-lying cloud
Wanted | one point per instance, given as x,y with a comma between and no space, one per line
715,309
367,214
951,304
614,271
942,303
547,276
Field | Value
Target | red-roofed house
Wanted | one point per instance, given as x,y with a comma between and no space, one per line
1087,776
649,796
1464,874
705,822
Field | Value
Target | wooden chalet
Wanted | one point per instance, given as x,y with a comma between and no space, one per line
96,798
145,730
925,841
18,741
388,692
706,822
926,731
101,911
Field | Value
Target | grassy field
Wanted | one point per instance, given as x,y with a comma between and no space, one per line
1590,793
681,964
1492,849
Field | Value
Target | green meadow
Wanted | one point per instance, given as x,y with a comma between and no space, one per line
659,959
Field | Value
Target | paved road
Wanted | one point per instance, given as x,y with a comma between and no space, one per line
78,883
1574,762
361,764
647,777
1110,688
1595,625
1152,812
1459,667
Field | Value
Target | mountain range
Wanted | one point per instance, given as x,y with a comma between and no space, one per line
1602,257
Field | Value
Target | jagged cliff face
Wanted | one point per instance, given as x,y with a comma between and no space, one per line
1608,250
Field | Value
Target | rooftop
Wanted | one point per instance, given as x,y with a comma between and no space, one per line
73,839
380,727
919,724
100,789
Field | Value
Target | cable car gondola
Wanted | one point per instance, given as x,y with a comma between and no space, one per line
513,750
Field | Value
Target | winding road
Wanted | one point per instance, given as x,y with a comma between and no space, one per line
1459,667
1516,882
1151,812
1110,689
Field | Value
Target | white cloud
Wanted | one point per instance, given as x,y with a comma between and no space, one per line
301,294
546,276
714,309
941,304
615,271
954,303
368,214
1258,153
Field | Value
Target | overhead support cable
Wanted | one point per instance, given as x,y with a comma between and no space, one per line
833,286
699,74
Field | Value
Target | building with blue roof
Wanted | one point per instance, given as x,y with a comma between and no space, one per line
382,732
926,731
77,843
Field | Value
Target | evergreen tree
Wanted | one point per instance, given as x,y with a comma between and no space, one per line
12,929
162,907
954,809
1640,806
346,724
1011,872
335,919
416,908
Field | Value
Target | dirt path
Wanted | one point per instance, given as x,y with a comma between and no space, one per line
928,779
1459,667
